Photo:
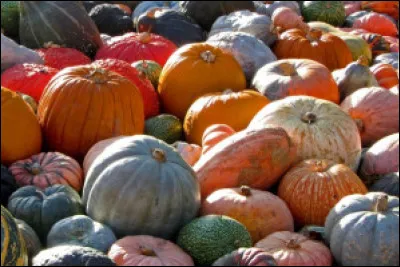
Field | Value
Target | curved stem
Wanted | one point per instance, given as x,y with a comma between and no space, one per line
158,154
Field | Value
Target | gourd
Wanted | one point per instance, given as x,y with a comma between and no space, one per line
215,134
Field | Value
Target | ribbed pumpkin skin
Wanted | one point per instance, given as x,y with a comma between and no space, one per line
256,158
63,57
261,212
287,19
150,69
332,12
156,197
235,109
201,67
8,185
105,105
332,135
361,234
376,112
376,23
246,257
32,241
20,130
313,187
46,169
215,134
13,248
145,250
385,74
388,183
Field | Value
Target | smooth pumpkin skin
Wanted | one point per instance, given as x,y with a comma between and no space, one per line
387,183
235,109
261,212
364,230
375,111
385,74
286,18
215,134
293,249
201,67
145,250
390,58
62,57
256,158
289,77
32,241
246,257
189,152
376,23
21,136
390,8
313,187
106,105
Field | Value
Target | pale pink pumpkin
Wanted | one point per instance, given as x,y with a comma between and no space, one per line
287,18
215,134
190,152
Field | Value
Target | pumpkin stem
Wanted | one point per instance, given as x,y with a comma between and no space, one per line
287,69
51,45
147,252
35,168
363,60
97,75
293,244
208,56
360,125
145,37
245,190
309,118
159,155
313,34
381,203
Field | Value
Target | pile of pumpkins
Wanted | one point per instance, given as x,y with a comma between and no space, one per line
183,133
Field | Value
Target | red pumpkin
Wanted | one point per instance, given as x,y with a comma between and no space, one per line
376,23
47,169
215,134
132,47
149,94
63,57
390,8
29,79
385,74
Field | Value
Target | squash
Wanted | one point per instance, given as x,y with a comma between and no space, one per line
189,152
145,6
332,12
293,5
41,209
246,257
150,69
318,128
219,108
261,212
385,74
287,19
145,250
256,158
146,169
292,249
390,8
377,43
18,119
201,67
32,241
313,187
390,58
8,185
289,77
214,134
375,111
63,23
364,217
111,19
62,57
387,183
73,129
376,23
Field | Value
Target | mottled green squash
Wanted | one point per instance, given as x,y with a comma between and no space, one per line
32,241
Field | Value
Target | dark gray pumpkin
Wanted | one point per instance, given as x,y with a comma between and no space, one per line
111,20
145,6
261,8
389,58
81,230
387,183
8,185
32,241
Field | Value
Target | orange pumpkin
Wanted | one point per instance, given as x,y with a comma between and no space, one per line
325,48
390,8
313,187
21,136
261,212
286,18
83,105
385,74
215,134
235,109
195,70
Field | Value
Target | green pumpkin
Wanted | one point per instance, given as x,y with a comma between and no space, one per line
150,69
10,18
332,12
358,47
32,241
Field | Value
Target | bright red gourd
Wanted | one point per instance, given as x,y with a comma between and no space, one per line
63,57
377,23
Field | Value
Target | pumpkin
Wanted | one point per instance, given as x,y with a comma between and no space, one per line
261,212
390,8
46,169
293,5
8,185
13,248
256,158
385,74
18,119
28,79
62,57
352,7
132,47
387,183
395,90
246,257
30,101
249,51
313,187
289,77
62,23
215,134
318,128
91,4
365,217
145,6
390,58
286,19
164,180
324,48
41,209
376,23
150,69
375,111
201,67
189,152
292,249
109,105
332,12
125,8
218,108
145,250
377,43
149,94
32,241
393,43
349,21
111,20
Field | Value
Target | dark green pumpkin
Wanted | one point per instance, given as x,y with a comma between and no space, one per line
111,20
8,185
331,12
42,209
150,69
32,241
10,18
91,4
388,183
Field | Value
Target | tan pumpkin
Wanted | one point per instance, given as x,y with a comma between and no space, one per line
261,212
385,74
215,134
235,109
395,90
287,18
189,152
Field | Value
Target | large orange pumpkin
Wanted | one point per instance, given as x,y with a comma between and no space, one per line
235,109
313,187
20,131
83,105
385,74
325,48
195,70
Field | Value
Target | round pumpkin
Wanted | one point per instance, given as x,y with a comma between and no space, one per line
261,212
32,241
287,19
274,5
376,23
318,128
385,74
332,12
387,183
289,77
105,105
111,19
235,109
292,249
149,181
189,152
30,101
145,6
390,58
364,230
201,67
150,69
246,257
21,136
215,134
145,250
62,57
8,185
